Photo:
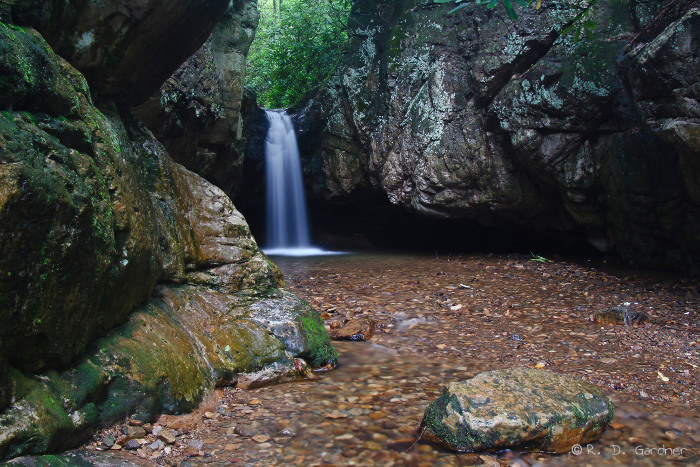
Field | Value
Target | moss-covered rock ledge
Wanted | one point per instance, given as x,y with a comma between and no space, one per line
129,286
166,358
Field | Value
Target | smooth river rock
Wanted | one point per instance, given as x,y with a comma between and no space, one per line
519,408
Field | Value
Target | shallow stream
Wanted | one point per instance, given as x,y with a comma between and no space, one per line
442,319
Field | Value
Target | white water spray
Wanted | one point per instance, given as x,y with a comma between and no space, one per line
287,220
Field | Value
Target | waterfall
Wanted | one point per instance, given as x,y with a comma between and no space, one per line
287,220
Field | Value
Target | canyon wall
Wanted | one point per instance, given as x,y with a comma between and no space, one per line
474,116
129,286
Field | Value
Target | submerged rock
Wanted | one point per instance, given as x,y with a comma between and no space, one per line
356,329
620,315
518,408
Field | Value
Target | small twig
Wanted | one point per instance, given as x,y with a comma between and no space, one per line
421,430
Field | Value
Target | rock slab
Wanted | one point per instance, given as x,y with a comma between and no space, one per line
520,408
357,329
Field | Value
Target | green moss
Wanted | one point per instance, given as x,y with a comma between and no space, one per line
464,439
320,352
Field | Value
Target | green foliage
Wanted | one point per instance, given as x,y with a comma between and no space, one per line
298,44
539,259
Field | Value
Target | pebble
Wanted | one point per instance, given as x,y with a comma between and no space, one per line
108,441
198,444
167,436
135,432
132,444
261,438
157,445
244,431
190,451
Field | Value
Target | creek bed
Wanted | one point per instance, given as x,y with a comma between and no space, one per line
442,319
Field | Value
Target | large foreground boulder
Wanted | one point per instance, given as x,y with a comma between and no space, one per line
518,408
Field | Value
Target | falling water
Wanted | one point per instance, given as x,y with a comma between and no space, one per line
287,221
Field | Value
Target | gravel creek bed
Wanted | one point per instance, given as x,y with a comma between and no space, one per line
441,319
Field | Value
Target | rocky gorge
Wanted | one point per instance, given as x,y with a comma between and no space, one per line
473,116
130,284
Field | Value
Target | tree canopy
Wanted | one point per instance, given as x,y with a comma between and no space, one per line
298,44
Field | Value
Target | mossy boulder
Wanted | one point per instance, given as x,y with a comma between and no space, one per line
518,408
75,229
129,286
164,359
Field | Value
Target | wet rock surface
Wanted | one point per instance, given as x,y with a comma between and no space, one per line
474,116
356,329
518,408
441,320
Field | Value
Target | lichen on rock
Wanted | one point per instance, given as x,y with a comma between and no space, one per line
518,408
472,115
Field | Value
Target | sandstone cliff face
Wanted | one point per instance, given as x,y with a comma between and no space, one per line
128,284
472,115
196,114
